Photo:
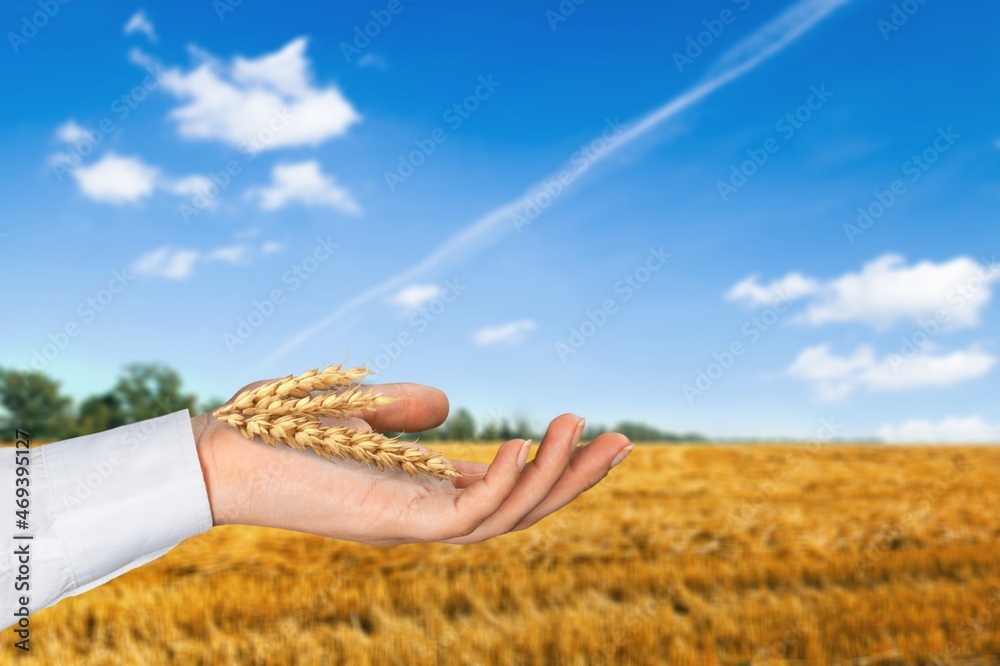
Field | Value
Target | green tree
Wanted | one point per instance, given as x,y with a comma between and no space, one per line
522,430
149,390
506,430
590,433
461,426
99,413
33,403
433,435
490,432
642,432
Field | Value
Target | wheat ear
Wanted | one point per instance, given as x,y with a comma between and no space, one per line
285,410
337,405
306,432
301,386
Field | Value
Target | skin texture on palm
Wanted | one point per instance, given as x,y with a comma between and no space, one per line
253,483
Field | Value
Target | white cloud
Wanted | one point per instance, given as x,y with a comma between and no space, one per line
71,133
306,184
415,295
373,60
193,186
510,334
270,247
791,287
174,263
886,291
286,71
486,229
788,26
117,180
970,429
167,262
139,23
270,99
834,377
234,254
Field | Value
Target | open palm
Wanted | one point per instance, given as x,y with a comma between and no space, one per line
256,484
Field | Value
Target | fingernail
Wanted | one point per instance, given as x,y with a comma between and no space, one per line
579,432
623,454
522,458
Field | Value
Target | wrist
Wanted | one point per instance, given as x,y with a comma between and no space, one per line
214,469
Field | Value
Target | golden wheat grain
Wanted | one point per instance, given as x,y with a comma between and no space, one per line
286,410
336,405
300,386
646,568
302,432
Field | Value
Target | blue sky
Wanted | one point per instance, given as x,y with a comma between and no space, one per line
399,198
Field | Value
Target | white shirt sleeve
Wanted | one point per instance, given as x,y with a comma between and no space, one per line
100,505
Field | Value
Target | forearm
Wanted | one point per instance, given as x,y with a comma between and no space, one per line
102,505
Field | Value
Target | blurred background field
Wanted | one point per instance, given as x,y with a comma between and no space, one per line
705,554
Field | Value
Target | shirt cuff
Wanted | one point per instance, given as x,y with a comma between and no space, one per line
109,502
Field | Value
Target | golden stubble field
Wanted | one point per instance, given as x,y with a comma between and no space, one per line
685,555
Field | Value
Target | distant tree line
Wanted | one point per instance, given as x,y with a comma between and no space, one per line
461,426
34,402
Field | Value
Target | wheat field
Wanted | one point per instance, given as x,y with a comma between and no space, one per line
684,555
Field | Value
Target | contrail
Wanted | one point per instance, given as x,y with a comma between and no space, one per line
744,57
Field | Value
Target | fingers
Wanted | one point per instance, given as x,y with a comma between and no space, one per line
471,472
588,466
481,500
476,503
416,408
537,480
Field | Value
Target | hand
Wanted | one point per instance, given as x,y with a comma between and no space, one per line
253,483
